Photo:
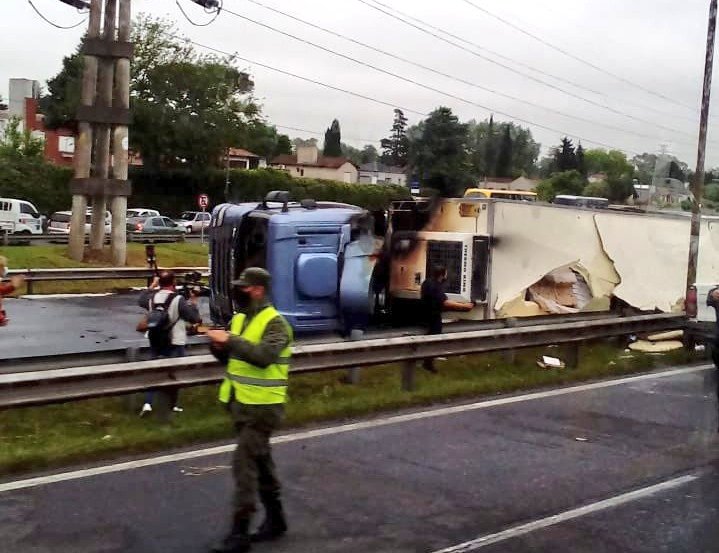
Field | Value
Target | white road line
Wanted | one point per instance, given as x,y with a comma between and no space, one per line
65,296
341,429
522,529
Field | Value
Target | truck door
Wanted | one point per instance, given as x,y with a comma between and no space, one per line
304,262
357,290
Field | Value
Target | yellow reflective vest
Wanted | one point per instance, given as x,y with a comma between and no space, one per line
255,385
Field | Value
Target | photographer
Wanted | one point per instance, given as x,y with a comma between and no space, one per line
168,312
5,289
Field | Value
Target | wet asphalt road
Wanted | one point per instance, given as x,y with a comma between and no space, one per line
50,326
427,483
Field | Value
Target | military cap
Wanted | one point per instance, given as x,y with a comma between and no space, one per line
253,276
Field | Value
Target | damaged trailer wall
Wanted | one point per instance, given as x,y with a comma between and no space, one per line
531,241
639,258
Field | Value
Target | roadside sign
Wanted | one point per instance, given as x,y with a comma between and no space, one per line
203,201
414,187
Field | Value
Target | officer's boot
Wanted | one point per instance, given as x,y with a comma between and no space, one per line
274,524
238,540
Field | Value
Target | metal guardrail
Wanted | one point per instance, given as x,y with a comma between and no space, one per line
123,355
9,239
68,384
99,273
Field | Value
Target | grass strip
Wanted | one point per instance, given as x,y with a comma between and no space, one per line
60,435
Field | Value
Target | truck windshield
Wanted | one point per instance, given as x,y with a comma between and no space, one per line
251,242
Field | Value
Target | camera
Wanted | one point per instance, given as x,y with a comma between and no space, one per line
191,285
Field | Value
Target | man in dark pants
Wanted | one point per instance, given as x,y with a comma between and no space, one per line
434,301
179,310
257,350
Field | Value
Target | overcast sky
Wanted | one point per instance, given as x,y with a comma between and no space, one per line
650,45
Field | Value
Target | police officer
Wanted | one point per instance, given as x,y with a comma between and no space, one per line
257,350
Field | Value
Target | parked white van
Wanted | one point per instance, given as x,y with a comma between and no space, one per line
22,215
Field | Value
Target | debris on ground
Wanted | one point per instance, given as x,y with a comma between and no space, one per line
666,336
547,362
645,346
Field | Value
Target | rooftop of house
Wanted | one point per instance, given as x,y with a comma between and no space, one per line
377,167
241,152
322,161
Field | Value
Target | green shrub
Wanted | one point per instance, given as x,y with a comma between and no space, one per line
43,184
175,190
255,184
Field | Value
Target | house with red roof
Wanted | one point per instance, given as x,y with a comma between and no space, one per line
308,163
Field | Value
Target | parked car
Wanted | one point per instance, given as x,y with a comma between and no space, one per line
194,221
60,222
20,217
154,225
134,212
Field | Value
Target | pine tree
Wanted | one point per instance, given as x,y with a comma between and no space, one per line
333,140
396,147
581,165
565,156
504,159
490,151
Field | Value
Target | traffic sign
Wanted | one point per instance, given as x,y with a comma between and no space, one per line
203,201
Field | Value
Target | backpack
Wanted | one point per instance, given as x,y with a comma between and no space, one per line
159,325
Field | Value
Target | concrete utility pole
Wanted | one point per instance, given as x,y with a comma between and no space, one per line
104,106
83,146
121,141
698,185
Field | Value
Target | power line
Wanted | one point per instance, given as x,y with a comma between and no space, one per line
493,52
446,75
545,83
282,71
37,11
415,82
318,133
574,56
300,77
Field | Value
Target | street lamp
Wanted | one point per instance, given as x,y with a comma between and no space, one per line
79,4
207,4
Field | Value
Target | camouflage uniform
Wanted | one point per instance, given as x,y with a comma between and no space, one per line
257,355
253,468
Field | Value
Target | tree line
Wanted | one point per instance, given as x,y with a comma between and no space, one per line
187,108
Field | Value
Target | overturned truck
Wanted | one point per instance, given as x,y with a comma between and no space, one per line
526,259
337,267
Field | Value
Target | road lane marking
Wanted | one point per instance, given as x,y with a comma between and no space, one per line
341,429
65,296
529,527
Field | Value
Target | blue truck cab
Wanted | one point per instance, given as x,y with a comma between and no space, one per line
321,256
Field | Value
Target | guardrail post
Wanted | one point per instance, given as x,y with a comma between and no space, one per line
572,353
353,374
408,372
133,402
28,282
5,238
132,354
162,406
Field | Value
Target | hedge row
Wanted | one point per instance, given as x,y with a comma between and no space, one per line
45,185
254,185
174,191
